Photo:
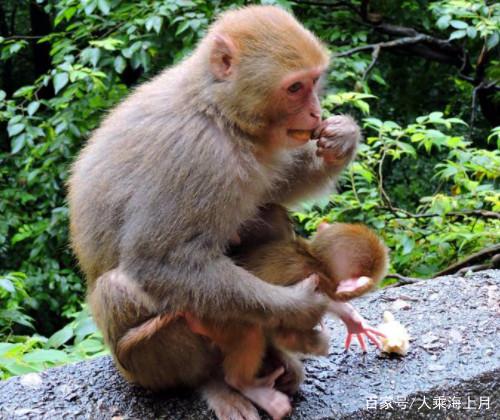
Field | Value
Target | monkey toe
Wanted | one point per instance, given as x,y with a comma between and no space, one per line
227,404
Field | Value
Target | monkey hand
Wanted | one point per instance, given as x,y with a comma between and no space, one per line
307,305
338,138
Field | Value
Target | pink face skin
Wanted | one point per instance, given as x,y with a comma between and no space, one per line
297,106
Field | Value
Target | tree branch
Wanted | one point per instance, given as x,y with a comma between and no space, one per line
472,259
412,42
375,54
389,44
401,280
484,214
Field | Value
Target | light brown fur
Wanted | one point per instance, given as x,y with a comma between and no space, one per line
337,252
169,176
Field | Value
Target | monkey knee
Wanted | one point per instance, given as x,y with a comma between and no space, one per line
118,304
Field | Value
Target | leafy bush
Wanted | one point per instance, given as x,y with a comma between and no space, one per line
455,220
424,179
78,340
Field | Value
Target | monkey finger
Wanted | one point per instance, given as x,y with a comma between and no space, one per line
361,342
326,142
348,341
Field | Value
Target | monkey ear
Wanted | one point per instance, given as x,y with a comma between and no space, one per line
222,57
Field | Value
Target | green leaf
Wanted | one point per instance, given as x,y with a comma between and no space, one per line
33,107
443,22
471,32
91,55
182,27
90,7
3,95
109,44
60,337
492,41
43,355
91,345
7,285
154,22
408,245
60,80
15,129
85,328
120,64
14,367
6,347
457,34
407,148
458,24
103,6
436,115
374,122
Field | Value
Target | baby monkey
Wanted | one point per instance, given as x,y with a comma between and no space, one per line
344,260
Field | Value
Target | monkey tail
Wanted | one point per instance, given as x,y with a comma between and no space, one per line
141,333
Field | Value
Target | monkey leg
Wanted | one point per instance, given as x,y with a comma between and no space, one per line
261,391
293,376
243,347
156,351
227,404
307,342
243,351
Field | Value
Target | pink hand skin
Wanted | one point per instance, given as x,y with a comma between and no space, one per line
355,324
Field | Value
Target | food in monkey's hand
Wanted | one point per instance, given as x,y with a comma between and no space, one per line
397,339
300,135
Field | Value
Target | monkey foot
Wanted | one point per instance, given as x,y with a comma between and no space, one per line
352,285
356,325
262,393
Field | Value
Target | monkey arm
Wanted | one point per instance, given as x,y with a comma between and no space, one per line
218,290
308,175
316,165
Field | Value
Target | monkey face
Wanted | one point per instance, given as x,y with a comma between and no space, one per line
295,108
267,66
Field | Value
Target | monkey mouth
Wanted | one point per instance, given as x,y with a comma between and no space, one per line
300,135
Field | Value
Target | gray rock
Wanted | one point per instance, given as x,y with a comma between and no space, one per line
452,370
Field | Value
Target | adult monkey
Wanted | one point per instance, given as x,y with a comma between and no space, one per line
175,170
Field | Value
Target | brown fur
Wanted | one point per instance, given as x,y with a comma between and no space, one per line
338,252
169,176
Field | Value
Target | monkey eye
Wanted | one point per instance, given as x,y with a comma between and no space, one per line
295,87
315,80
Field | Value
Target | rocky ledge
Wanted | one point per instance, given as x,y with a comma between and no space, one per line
452,370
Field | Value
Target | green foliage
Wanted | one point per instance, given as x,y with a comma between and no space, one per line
469,19
12,296
76,341
446,224
420,180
